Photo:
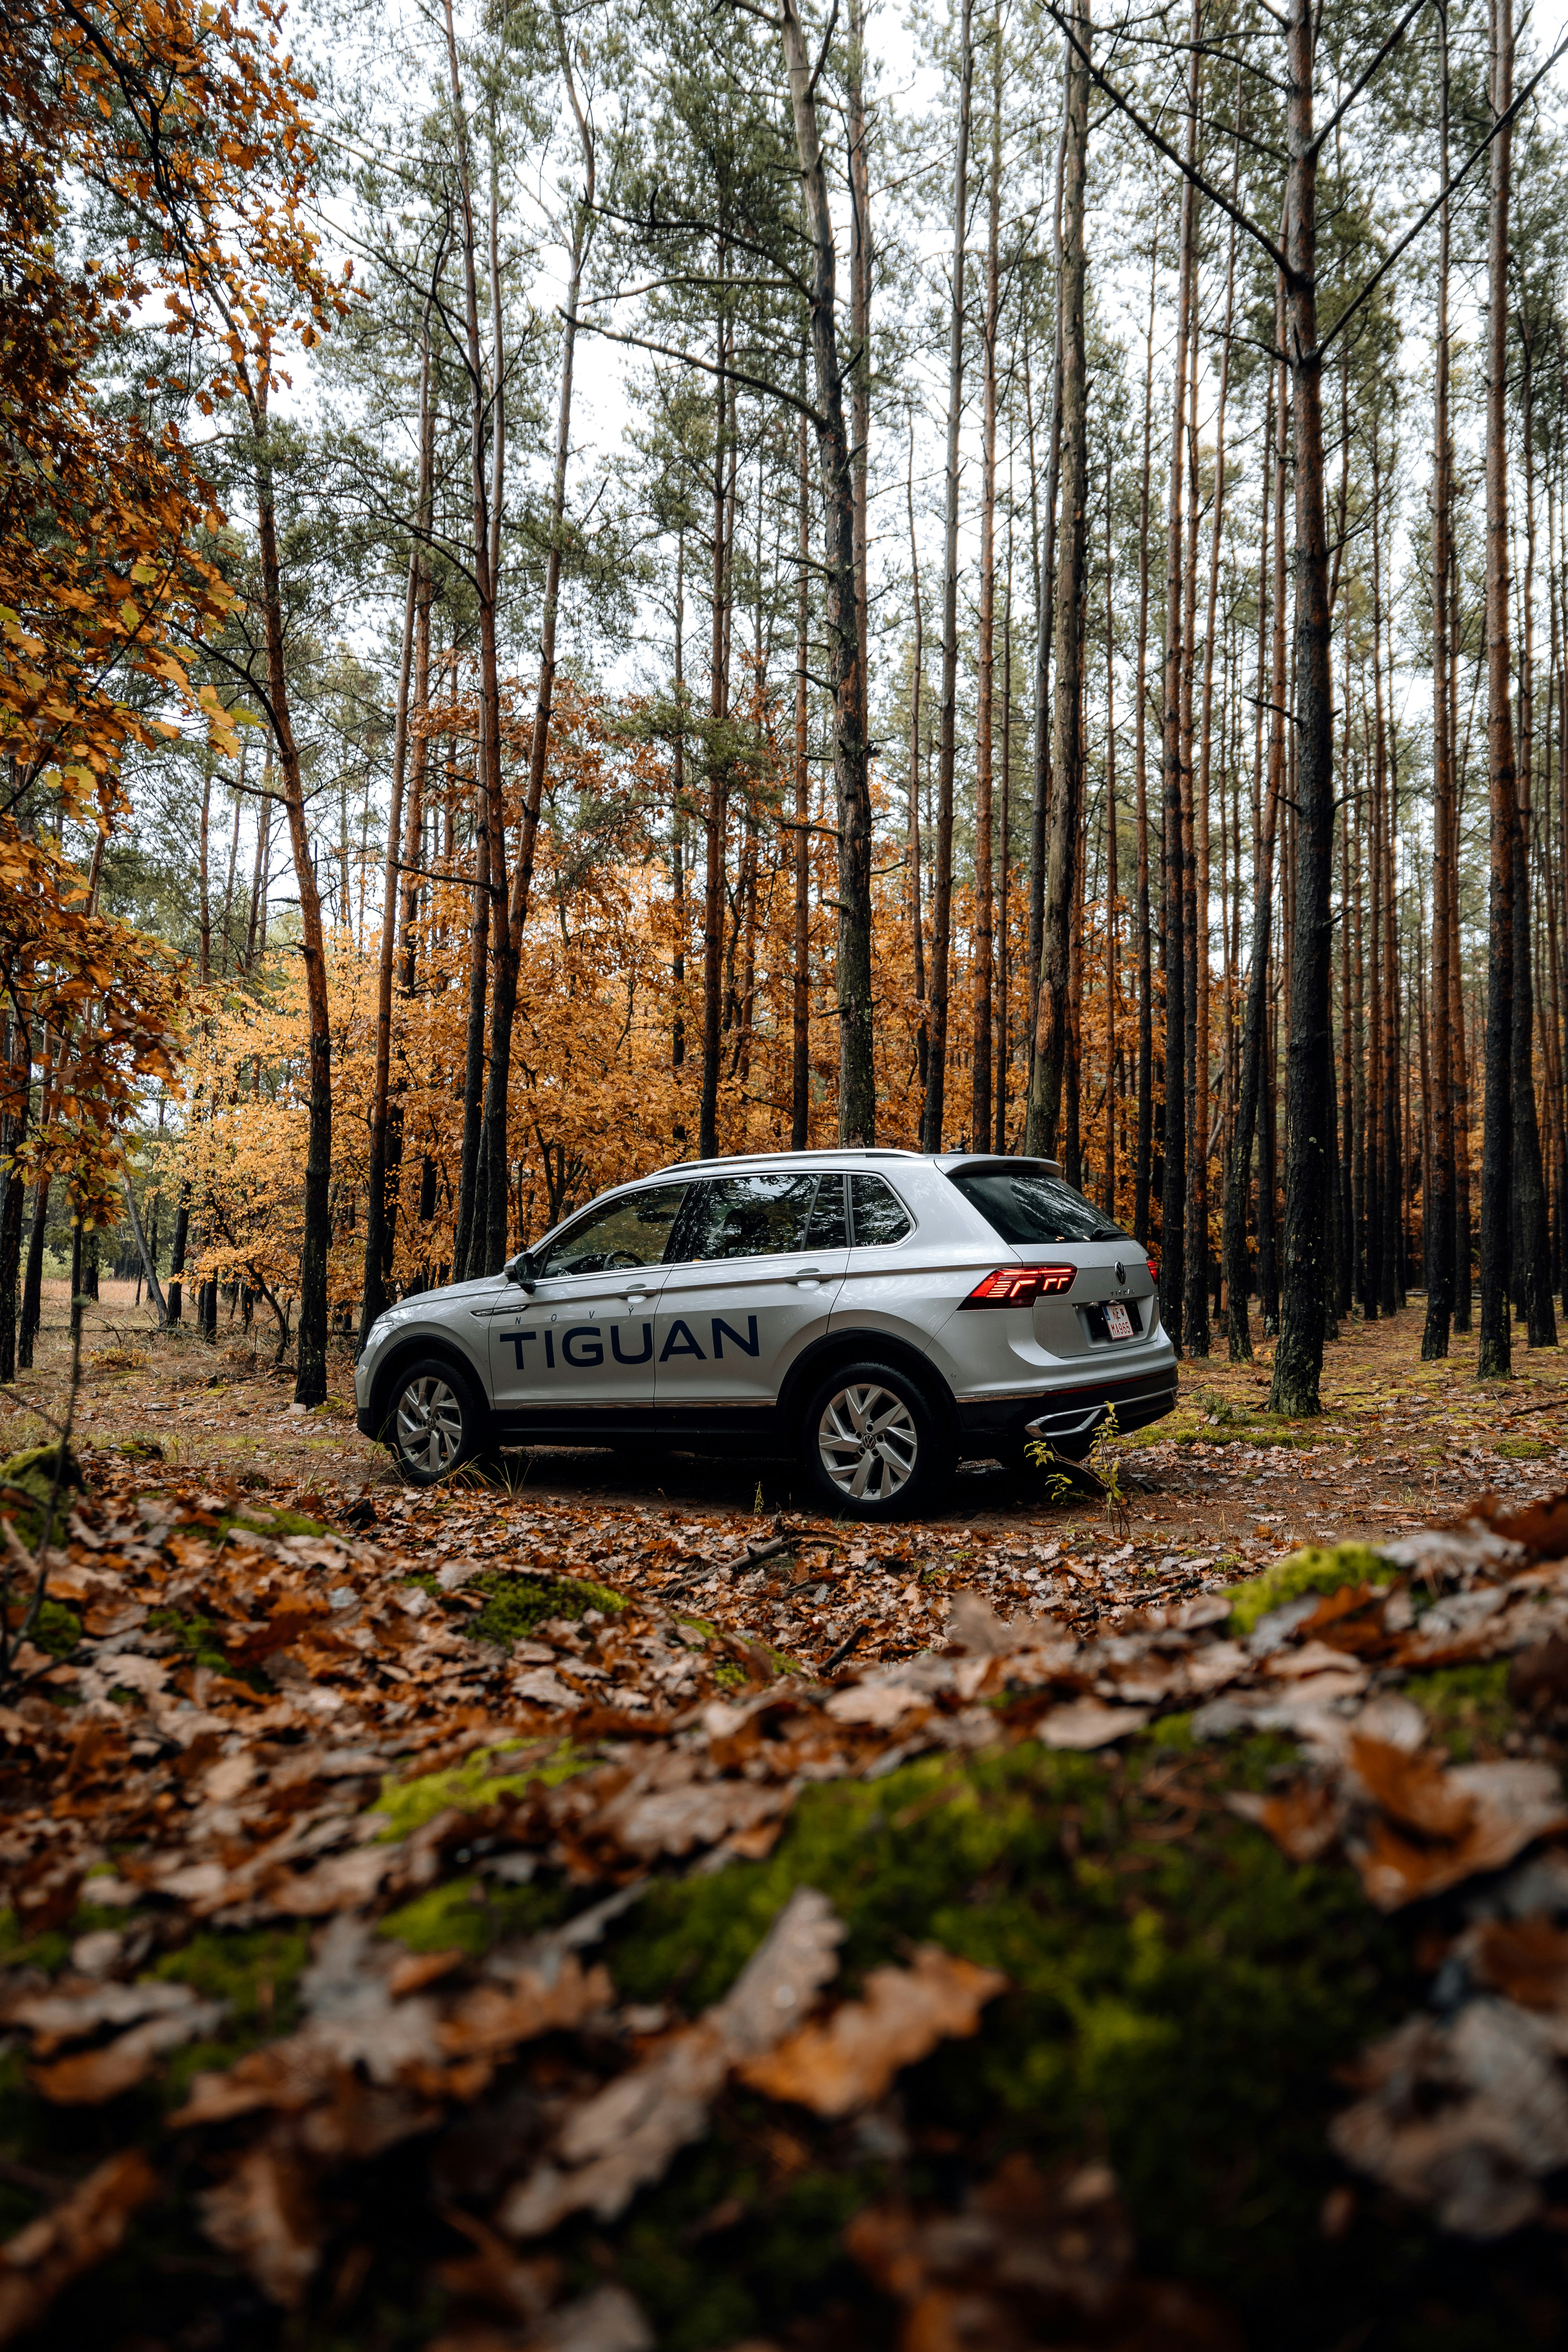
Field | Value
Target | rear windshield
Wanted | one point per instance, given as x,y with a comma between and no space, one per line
1029,1208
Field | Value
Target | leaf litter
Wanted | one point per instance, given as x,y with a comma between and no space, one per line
256,1728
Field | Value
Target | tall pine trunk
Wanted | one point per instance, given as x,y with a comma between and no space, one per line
1494,1358
1438,1208
947,719
1305,1270
846,672
1174,1202
1065,815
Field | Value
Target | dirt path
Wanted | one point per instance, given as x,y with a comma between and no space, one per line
1215,1490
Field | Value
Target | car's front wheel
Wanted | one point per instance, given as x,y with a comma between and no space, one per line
436,1424
870,1446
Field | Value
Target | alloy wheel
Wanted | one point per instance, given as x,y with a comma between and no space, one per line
868,1441
429,1424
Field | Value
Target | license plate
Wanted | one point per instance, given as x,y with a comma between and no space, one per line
1117,1322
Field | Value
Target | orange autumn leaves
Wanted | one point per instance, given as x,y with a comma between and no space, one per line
185,130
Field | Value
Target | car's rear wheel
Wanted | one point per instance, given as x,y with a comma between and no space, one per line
436,1424
871,1446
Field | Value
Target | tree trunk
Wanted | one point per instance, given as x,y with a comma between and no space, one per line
1533,1273
310,1376
1064,816
377,1236
1438,1208
981,974
1173,1216
800,1074
1494,1358
846,677
1298,1356
941,888
1254,1039
470,1248
513,914
715,814
1044,607
1198,1316
860,305
1143,1157
917,935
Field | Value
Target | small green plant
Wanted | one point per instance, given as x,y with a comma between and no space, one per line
1102,1468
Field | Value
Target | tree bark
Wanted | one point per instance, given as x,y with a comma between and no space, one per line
981,969
1254,1038
1142,1166
800,1073
377,1236
1533,1273
1438,1208
310,1376
917,677
947,721
846,677
1172,1215
1065,815
513,916
470,1248
1494,1358
1298,1356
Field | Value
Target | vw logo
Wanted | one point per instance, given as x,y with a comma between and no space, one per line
1120,1276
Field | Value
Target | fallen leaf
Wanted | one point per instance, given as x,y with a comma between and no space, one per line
1415,1791
265,2215
1028,2263
1087,1723
82,2229
493,2018
849,2062
1303,1820
87,2077
1468,2116
1514,1804
625,2135
1525,1958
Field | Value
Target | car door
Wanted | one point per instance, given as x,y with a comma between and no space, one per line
755,1267
576,1356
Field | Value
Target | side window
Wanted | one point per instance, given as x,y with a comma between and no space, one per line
625,1233
747,1216
829,1226
880,1215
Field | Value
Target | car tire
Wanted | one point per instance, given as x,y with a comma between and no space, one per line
433,1421
870,1446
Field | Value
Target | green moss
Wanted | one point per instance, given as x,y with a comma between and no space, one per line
1179,2006
1311,1569
34,1472
473,1784
1468,1706
58,1629
199,1638
235,1967
1522,1449
472,1915
516,1601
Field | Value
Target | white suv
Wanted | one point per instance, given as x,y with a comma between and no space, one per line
876,1314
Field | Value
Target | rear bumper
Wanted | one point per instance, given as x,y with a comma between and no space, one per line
1075,1412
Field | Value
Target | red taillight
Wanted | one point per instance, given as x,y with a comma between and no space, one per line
1153,1271
1020,1285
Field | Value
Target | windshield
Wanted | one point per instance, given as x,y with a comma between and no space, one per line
1033,1207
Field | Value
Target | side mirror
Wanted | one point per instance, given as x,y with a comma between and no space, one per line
521,1270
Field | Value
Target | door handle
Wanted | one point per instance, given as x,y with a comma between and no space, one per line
809,1274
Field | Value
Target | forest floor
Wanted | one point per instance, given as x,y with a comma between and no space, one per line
1219,1488
423,1908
